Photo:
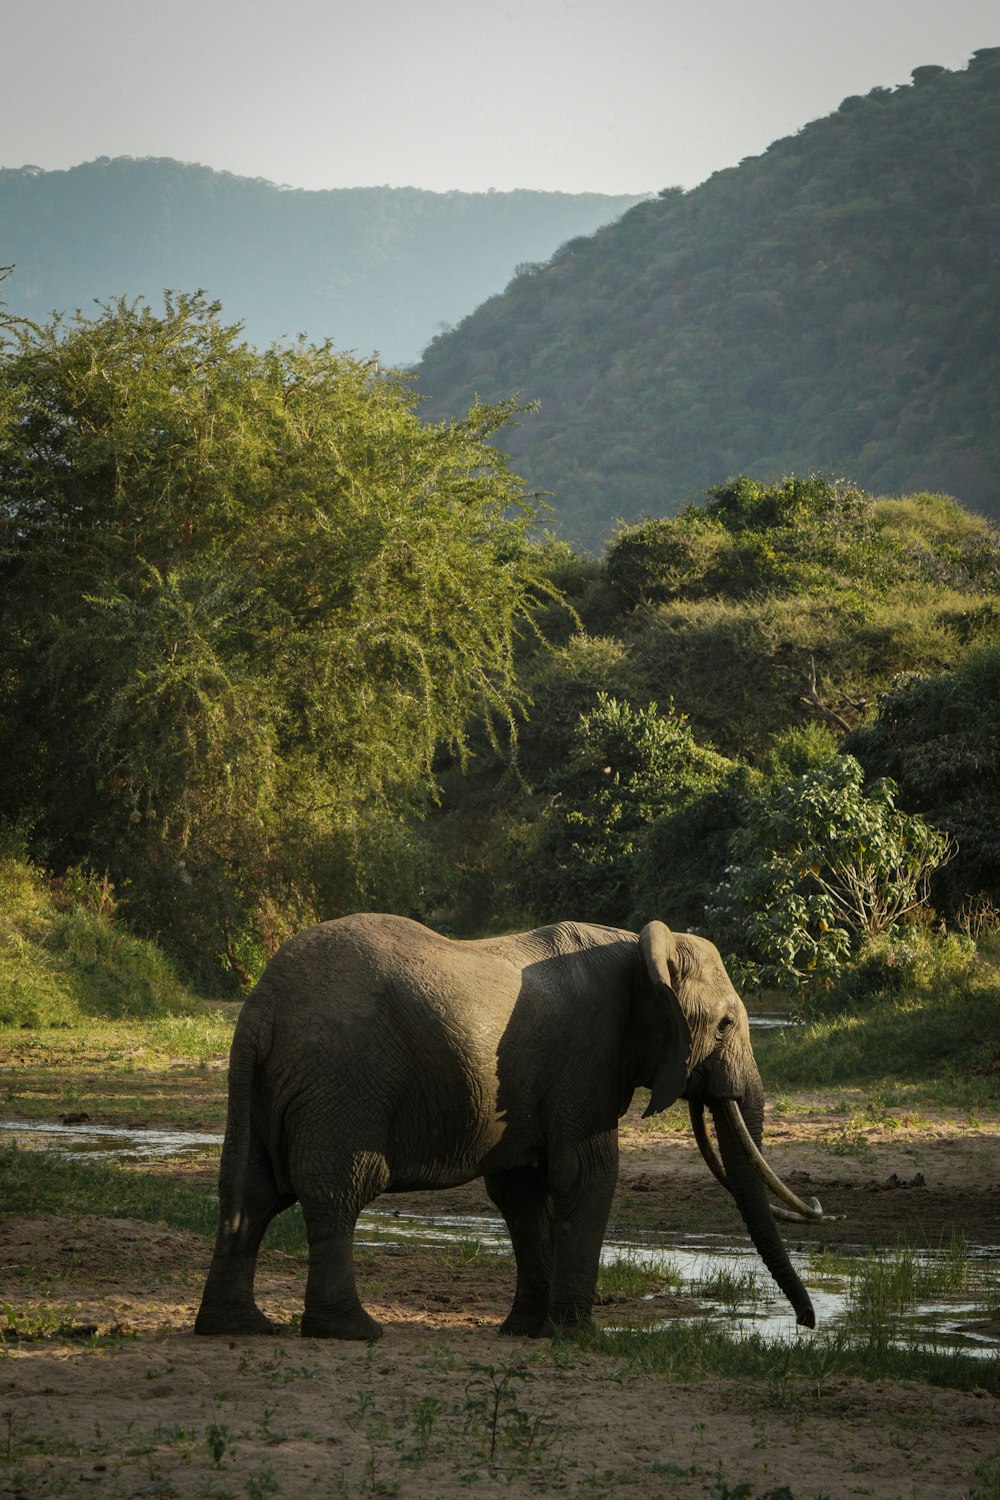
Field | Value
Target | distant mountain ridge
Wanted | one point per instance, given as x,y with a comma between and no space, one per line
370,268
832,305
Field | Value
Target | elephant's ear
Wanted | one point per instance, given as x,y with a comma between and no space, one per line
658,948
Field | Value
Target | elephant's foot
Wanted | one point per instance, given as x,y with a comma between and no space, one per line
571,1325
220,1319
521,1324
355,1324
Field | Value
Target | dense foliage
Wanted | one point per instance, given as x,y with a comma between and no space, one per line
65,959
831,304
939,737
244,599
769,621
626,768
259,620
817,863
771,603
373,268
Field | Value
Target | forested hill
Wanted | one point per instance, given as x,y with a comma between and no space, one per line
833,304
371,268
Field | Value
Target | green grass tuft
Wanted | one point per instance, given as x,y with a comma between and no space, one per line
637,1275
38,1182
65,958
700,1349
35,1182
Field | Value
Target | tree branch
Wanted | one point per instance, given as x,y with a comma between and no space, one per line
813,700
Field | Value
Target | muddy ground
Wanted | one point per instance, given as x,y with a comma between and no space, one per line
442,1406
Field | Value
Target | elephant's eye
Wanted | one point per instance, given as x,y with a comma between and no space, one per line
725,1023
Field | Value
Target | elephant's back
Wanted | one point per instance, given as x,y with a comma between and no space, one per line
379,969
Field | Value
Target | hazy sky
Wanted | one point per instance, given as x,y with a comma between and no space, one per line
607,95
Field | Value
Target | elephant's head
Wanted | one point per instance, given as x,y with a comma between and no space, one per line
700,1046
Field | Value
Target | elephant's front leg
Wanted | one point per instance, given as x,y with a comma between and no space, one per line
582,1179
522,1196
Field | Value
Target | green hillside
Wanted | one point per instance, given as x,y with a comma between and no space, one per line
370,268
273,648
833,304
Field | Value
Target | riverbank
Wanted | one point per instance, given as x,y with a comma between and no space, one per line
103,1384
893,1171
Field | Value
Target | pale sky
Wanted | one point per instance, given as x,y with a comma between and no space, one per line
614,96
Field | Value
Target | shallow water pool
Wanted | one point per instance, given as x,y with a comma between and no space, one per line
948,1298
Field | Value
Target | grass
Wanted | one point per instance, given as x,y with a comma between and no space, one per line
927,1047
898,1281
988,1479
34,1182
169,1069
637,1275
64,956
47,1322
466,1250
672,1121
733,1289
700,1349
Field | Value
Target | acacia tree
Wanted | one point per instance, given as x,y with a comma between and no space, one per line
245,596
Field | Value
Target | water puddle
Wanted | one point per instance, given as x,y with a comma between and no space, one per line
768,1020
109,1142
725,1276
945,1299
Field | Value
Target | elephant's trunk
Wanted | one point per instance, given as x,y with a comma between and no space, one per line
752,1202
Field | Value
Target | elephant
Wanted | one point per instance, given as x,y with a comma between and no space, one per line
375,1055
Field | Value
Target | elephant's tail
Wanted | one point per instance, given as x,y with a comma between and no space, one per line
252,1040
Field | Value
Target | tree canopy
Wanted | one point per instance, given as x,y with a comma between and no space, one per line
258,621
768,621
245,598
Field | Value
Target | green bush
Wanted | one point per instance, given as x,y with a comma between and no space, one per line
914,960
627,767
817,865
938,737
794,537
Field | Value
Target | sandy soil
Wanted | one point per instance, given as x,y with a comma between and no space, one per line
443,1407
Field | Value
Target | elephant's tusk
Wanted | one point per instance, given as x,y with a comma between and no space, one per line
812,1210
705,1145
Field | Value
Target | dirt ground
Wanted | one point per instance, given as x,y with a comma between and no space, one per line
441,1406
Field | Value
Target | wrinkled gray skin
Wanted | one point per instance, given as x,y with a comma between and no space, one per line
376,1056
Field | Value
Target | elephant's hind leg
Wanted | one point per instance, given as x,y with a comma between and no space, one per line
333,1308
522,1196
227,1304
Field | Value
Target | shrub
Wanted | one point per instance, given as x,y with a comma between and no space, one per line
627,767
817,865
938,737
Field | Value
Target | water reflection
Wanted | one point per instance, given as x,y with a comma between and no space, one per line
726,1277
108,1142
